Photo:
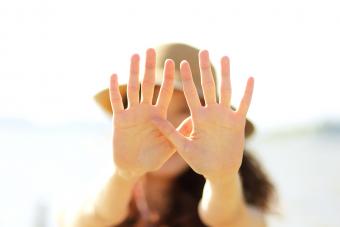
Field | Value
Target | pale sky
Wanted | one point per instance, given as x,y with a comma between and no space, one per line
55,55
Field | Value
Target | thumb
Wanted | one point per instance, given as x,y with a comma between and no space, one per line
185,127
170,132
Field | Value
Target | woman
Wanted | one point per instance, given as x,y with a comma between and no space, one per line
197,174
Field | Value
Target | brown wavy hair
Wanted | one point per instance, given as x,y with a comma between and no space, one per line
187,191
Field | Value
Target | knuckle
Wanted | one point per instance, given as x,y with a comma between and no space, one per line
150,65
133,87
209,82
166,90
115,98
147,82
169,76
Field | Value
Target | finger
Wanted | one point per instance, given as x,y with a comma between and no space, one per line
185,127
169,131
225,93
167,87
115,96
207,79
245,102
189,88
149,76
133,85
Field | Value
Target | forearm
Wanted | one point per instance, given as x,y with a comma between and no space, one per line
221,201
108,207
223,205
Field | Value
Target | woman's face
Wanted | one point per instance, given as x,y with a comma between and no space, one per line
177,112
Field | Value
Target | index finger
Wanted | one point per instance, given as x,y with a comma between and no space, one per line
167,87
115,96
245,102
189,88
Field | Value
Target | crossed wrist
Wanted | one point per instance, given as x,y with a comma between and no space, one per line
127,176
224,179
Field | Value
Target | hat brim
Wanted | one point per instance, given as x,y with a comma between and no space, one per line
102,98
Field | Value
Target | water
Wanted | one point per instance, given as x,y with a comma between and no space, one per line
305,168
43,170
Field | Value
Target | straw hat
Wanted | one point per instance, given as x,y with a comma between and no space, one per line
176,52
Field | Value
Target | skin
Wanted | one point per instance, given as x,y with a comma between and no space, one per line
151,145
213,148
178,112
147,146
157,183
215,125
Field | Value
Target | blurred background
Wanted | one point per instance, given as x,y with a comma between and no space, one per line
55,55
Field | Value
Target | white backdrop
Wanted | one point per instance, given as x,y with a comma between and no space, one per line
55,55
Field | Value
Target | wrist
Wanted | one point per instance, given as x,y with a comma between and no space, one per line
126,176
225,179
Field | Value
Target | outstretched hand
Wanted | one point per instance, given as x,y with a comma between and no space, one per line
138,146
216,143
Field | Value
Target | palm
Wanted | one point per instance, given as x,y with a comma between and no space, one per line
138,146
147,148
215,146
217,140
